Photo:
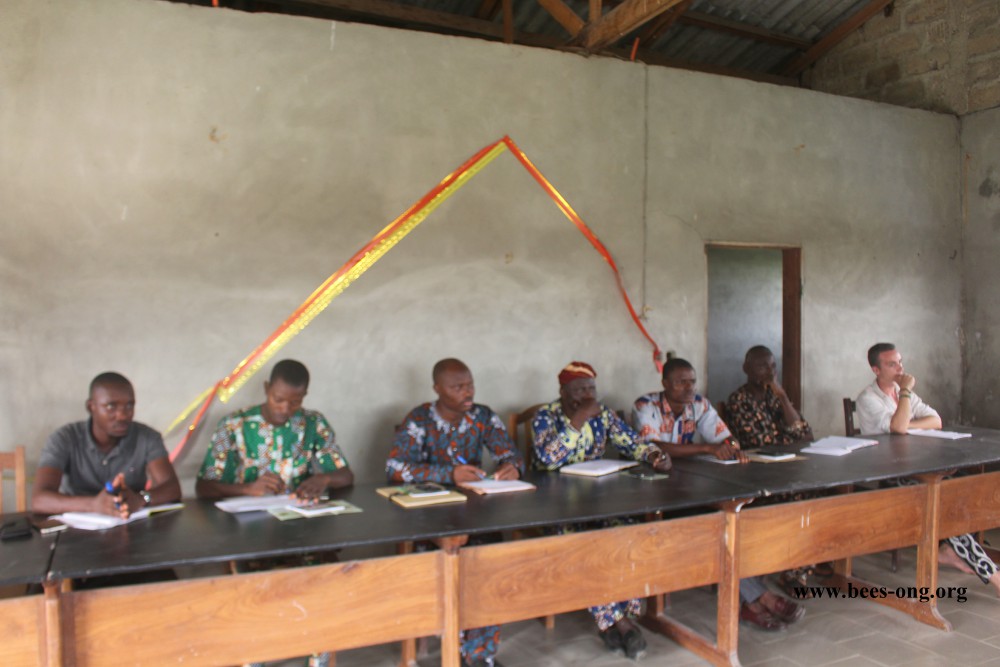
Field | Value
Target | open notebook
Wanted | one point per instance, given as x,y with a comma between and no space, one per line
486,486
597,467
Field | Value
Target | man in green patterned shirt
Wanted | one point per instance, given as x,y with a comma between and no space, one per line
276,447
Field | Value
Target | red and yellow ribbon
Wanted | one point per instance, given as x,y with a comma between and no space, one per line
362,260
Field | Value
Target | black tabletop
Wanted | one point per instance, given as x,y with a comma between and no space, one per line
200,533
893,456
25,560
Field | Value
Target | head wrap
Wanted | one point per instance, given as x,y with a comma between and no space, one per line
576,370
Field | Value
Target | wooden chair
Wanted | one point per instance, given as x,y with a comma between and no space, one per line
15,461
850,430
850,407
514,422
517,423
720,407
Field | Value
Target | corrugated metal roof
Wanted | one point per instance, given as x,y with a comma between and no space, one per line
697,45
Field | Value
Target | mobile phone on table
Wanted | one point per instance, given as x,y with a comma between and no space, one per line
49,526
14,529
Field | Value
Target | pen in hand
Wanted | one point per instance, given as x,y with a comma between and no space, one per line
110,488
461,459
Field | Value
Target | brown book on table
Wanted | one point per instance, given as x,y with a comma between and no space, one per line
409,495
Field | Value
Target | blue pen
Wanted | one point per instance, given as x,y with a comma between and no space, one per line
110,488
461,459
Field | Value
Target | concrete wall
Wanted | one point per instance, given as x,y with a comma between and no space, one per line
744,309
981,148
942,55
868,191
175,180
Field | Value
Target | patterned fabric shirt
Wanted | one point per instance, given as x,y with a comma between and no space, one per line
245,446
699,422
557,443
427,446
761,423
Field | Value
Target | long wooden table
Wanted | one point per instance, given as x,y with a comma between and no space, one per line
781,536
282,613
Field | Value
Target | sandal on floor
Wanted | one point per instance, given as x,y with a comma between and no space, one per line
613,639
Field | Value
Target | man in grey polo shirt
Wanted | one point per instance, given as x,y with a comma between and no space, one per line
81,458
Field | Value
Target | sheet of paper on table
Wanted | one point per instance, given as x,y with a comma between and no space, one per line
254,503
933,433
95,521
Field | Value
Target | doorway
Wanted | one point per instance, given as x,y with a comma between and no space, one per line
754,298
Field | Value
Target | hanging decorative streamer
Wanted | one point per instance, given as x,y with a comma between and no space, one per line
362,260
585,230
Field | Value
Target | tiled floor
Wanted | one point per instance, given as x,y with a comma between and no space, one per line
841,632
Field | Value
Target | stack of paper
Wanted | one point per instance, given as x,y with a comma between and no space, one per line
597,467
837,445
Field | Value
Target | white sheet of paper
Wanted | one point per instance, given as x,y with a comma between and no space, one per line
712,459
95,521
933,433
499,485
254,503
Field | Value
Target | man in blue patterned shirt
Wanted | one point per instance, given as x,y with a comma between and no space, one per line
443,442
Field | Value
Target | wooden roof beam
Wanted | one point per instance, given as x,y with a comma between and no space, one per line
435,19
711,22
836,36
563,15
622,20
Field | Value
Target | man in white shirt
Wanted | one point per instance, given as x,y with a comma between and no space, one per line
888,405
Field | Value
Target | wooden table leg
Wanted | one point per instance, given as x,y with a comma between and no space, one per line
842,567
728,611
408,647
724,651
927,563
450,649
53,624
927,552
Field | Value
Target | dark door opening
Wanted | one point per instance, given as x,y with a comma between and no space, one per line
754,298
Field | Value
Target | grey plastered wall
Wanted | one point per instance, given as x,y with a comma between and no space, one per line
981,150
869,192
175,180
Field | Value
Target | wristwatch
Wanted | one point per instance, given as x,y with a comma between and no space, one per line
145,496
